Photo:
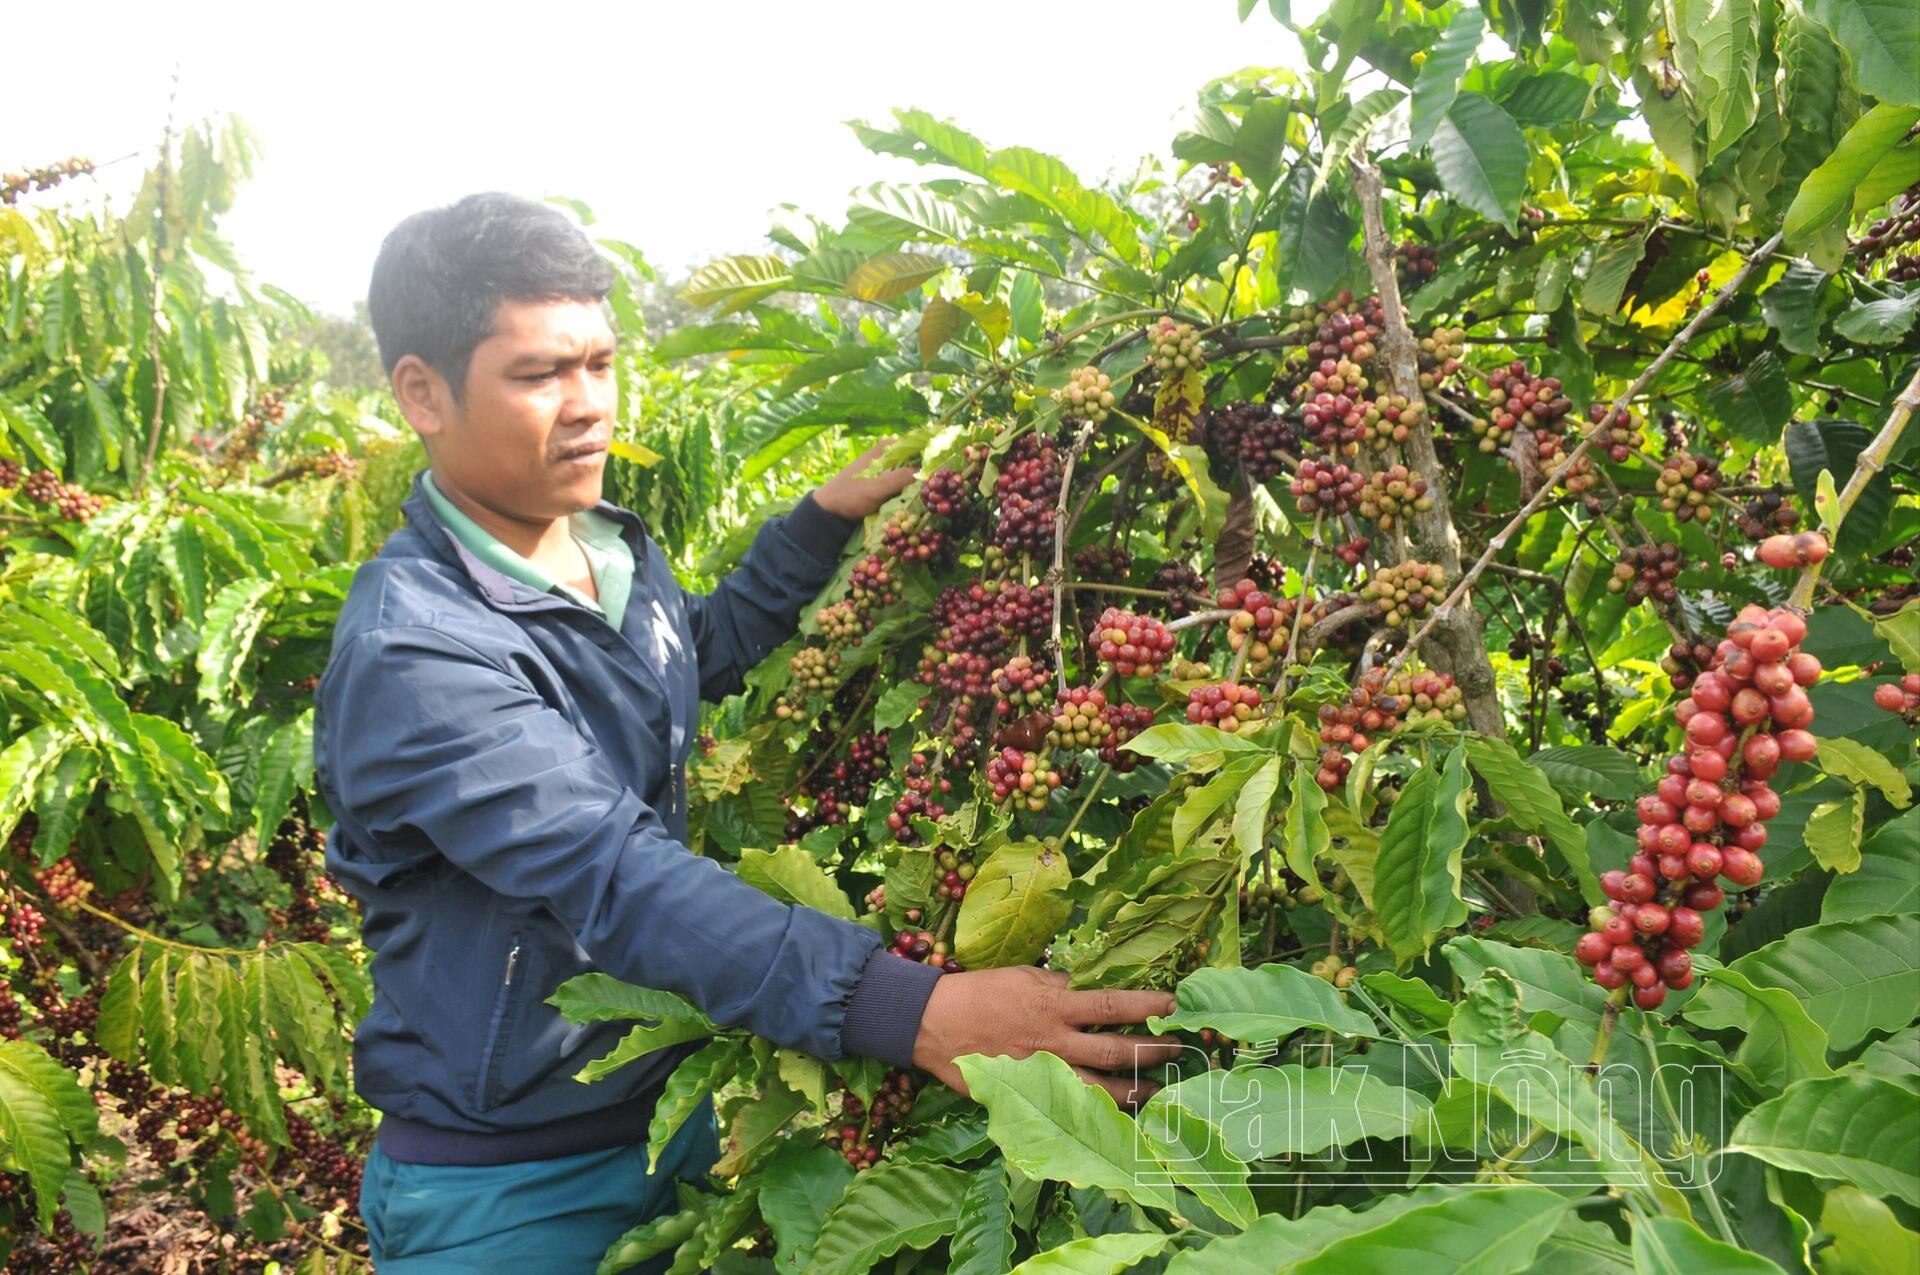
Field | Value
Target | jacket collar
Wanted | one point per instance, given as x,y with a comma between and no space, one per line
501,591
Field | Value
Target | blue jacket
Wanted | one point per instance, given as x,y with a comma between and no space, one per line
508,775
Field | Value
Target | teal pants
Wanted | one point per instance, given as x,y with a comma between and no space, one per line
533,1217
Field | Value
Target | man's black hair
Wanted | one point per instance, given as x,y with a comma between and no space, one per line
442,273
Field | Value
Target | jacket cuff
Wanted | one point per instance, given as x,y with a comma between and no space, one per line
883,1014
823,535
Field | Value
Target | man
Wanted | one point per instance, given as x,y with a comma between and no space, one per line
502,732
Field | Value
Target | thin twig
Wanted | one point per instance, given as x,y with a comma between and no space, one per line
1870,462
1299,612
1057,578
1093,486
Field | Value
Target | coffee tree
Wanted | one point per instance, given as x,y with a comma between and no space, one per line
1429,580
182,507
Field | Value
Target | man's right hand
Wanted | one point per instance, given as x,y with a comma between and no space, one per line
1022,1010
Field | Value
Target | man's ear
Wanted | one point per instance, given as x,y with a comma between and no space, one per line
423,394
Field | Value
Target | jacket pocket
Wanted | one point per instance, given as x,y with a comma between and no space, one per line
499,1028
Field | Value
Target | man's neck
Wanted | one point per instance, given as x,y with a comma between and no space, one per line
547,543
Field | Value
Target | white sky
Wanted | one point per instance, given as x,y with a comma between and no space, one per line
681,124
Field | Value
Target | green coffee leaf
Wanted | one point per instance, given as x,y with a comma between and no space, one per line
1854,977
1015,903
1887,880
1833,832
1416,877
1669,1246
1054,1125
1265,1003
1853,1128
790,874
1264,1112
1859,765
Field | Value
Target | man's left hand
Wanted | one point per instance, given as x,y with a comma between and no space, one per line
853,493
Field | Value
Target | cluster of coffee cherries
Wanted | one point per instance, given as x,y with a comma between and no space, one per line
872,584
1131,643
1344,331
1902,697
1686,484
1389,418
1789,553
1353,552
1256,619
1405,592
1029,777
861,1132
1334,970
814,671
1623,431
1378,706
1020,685
974,625
328,464
330,1165
1414,263
1743,717
840,623
1581,477
1182,584
1421,695
1124,721
925,783
1025,493
46,177
1439,355
24,923
1173,347
1767,514
1079,719
953,495
1102,563
64,883
65,1250
242,446
295,855
1536,648
1265,443
1350,727
1224,705
1648,571
909,536
1520,400
956,870
1686,660
76,504
1900,226
1087,395
1334,407
1326,486
1391,494
835,789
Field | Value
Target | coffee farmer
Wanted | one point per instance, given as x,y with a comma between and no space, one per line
502,733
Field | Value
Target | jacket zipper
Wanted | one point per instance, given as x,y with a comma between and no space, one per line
489,1058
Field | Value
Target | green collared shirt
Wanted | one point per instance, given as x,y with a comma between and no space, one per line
609,557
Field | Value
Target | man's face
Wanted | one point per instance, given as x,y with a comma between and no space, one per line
529,441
